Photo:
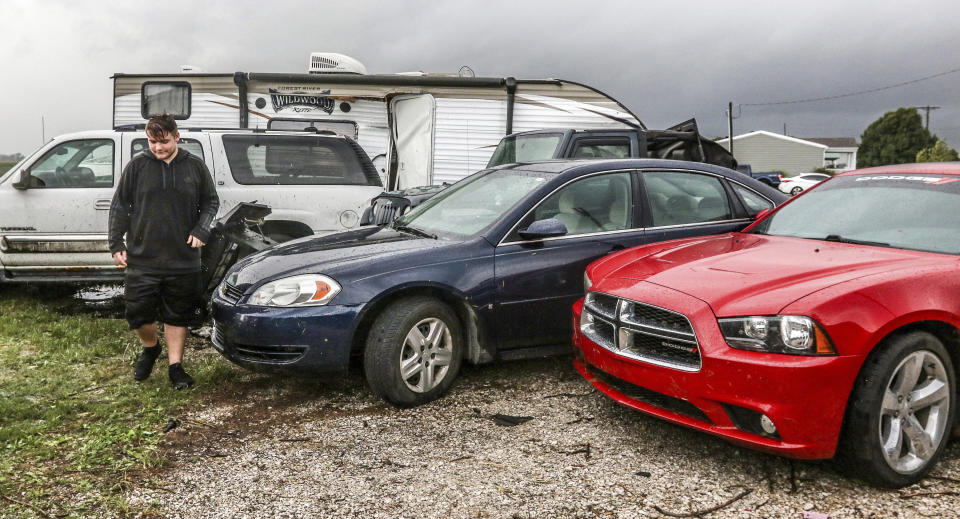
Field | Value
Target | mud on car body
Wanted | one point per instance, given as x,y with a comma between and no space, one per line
828,327
486,270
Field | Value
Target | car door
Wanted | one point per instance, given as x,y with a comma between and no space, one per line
537,281
680,204
61,219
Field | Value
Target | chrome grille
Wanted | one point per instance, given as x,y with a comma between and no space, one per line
641,331
231,293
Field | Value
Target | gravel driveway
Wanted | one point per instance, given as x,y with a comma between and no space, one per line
281,447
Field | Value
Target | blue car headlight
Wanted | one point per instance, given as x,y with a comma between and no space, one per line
305,290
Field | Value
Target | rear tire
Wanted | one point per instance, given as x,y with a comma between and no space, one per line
901,411
796,191
413,352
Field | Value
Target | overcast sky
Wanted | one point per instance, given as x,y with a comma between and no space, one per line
666,61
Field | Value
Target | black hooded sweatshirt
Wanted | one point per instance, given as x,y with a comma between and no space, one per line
158,206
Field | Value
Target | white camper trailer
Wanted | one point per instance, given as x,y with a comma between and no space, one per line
420,129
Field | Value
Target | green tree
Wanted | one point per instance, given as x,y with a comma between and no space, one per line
895,138
939,152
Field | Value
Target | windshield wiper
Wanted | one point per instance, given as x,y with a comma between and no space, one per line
841,239
415,231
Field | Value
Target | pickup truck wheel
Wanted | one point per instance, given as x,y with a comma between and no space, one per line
900,413
796,191
413,352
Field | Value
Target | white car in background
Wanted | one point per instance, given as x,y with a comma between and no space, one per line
796,184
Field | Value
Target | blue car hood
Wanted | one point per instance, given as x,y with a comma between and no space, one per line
374,250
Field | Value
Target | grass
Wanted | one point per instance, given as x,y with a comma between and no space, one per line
75,429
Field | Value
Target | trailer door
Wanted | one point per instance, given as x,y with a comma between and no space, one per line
413,118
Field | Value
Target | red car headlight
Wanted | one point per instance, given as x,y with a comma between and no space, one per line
790,334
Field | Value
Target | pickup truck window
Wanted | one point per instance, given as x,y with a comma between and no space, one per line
345,128
680,198
293,160
80,163
606,149
191,145
525,148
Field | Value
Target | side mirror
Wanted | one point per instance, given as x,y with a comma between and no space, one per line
26,180
540,229
761,215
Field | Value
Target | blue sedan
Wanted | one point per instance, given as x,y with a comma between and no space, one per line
486,270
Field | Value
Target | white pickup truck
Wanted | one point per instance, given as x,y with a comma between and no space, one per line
54,204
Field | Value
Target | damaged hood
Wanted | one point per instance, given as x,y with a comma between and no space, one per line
332,254
748,274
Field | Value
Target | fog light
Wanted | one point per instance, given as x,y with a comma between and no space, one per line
767,425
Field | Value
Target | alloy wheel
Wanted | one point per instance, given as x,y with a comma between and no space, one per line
914,412
426,355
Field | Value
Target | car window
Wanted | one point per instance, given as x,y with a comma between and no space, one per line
909,211
296,159
525,148
473,204
607,149
191,145
752,200
593,204
80,163
679,198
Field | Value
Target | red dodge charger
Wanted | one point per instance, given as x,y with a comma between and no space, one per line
829,326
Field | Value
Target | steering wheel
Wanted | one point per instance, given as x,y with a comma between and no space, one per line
61,174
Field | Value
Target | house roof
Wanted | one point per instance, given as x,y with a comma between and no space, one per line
776,136
834,142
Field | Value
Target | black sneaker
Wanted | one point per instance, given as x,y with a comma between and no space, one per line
145,360
179,377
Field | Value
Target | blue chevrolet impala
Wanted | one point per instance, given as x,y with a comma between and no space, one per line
486,270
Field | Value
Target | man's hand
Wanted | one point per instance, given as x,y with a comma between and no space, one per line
194,242
120,258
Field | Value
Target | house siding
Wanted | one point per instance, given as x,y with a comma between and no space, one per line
768,153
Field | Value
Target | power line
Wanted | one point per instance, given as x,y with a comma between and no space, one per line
851,94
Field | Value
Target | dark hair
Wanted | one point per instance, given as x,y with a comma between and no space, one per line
160,125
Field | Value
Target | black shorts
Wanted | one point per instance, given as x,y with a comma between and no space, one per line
173,299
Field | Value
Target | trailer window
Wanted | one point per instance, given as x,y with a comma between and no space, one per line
292,160
191,145
170,97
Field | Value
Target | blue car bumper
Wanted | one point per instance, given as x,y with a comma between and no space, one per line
309,340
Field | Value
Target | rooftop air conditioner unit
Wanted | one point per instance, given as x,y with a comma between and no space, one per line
333,63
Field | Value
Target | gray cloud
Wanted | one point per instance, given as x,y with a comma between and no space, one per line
666,61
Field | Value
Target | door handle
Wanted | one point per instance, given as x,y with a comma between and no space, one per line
102,204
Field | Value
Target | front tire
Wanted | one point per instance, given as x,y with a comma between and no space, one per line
796,191
413,352
901,411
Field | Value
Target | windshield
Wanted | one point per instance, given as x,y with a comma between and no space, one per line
525,148
917,212
471,205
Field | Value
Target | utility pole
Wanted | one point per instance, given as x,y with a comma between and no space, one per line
730,127
927,109
784,128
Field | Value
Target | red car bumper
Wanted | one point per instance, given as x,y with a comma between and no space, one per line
804,397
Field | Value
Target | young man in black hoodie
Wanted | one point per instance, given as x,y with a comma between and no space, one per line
164,205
